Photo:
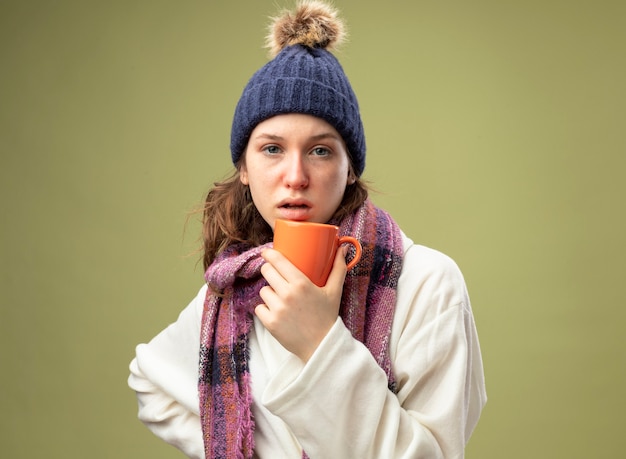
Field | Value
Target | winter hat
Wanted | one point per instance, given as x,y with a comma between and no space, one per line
303,77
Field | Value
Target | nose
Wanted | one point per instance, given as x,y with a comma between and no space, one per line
296,175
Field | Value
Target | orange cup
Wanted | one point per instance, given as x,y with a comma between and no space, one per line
311,247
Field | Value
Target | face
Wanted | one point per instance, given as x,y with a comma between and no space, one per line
297,168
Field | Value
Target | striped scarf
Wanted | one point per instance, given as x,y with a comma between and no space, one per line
367,306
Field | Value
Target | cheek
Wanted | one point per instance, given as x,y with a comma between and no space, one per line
260,184
337,187
256,180
341,178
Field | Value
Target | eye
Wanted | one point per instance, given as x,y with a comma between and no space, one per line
271,149
320,151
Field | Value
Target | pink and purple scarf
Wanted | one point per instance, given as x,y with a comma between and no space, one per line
367,307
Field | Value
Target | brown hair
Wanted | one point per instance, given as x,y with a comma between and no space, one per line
230,216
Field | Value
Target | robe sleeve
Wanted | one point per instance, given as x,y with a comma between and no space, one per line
338,404
164,375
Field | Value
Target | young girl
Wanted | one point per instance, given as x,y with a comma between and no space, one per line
381,362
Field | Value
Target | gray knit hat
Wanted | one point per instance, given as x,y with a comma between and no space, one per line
304,77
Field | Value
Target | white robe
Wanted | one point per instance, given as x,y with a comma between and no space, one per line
337,405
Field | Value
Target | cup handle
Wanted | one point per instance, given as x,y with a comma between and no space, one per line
357,246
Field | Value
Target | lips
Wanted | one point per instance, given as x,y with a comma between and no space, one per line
295,203
295,209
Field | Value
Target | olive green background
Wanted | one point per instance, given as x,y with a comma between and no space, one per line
496,134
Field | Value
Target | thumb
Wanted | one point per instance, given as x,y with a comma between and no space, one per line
338,273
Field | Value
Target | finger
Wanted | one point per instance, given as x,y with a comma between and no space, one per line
262,312
269,296
283,266
272,276
338,273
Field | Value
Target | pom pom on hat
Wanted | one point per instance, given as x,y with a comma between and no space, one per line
313,24
303,77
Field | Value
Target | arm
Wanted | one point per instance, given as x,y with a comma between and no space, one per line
164,375
338,404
